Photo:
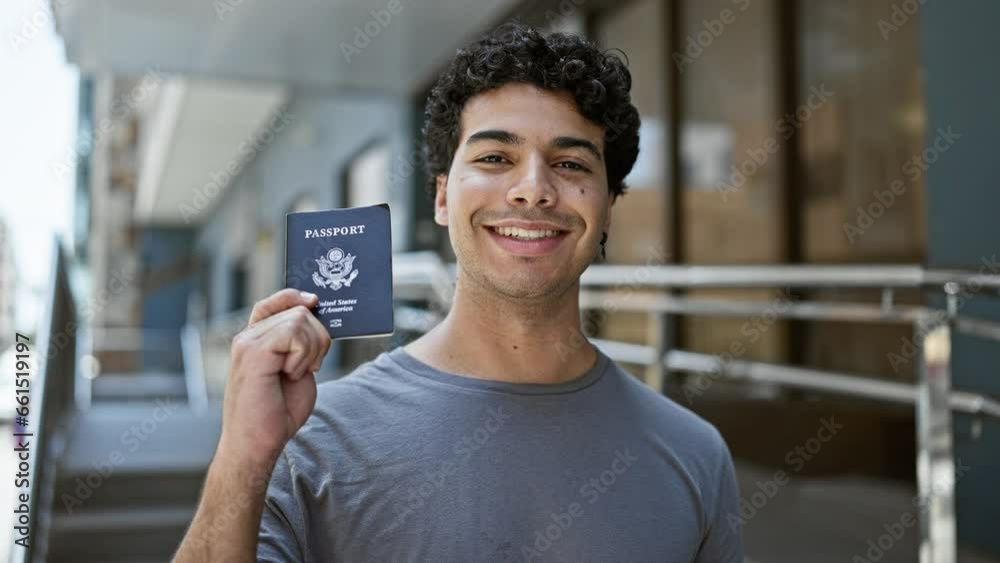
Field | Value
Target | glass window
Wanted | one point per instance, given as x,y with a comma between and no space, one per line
731,179
731,176
863,141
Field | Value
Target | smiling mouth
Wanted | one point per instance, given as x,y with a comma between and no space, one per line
517,233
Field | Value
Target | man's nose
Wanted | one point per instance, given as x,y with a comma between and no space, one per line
533,187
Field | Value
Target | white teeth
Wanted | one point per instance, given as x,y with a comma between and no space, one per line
524,233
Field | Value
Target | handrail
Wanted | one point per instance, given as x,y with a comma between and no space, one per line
51,397
791,276
840,383
803,310
800,310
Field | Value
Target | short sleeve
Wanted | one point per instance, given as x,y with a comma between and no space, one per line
723,543
278,540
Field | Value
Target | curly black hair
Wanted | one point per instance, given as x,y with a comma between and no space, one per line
515,52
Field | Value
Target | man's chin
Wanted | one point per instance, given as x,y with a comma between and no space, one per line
529,287
524,279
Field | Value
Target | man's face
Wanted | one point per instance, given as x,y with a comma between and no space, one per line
526,199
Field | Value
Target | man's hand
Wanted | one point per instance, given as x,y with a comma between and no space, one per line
270,393
271,389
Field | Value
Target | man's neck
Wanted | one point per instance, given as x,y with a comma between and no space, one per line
491,337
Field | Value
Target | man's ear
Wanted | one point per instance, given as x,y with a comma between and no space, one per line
441,200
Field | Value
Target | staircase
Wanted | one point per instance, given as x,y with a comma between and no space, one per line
128,482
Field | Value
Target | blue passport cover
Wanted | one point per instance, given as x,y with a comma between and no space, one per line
345,257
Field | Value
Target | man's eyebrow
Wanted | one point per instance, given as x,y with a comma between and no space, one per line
577,142
506,137
498,135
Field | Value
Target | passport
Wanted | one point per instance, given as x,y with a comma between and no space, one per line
345,257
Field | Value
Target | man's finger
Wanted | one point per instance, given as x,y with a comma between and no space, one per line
301,349
280,301
323,341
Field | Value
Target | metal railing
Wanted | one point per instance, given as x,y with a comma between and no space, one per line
52,397
427,277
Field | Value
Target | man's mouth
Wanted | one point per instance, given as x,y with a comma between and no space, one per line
525,234
527,242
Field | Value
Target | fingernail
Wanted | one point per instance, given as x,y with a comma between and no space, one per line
307,296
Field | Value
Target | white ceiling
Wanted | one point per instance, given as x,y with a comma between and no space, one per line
230,64
199,132
294,42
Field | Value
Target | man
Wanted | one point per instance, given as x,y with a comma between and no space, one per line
501,434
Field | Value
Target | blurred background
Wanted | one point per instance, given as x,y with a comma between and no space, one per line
810,236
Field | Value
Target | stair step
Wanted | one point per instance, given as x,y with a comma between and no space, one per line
137,470
139,387
164,436
106,536
122,520
94,491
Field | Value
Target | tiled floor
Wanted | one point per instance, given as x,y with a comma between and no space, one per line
829,520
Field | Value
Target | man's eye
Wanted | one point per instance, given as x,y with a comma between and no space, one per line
573,165
492,159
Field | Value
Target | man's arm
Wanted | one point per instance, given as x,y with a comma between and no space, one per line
724,541
227,522
270,394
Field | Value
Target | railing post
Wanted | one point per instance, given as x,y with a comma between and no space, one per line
194,368
935,450
656,371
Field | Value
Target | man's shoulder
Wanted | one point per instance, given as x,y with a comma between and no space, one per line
373,367
376,380
666,416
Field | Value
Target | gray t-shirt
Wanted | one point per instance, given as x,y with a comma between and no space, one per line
403,462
